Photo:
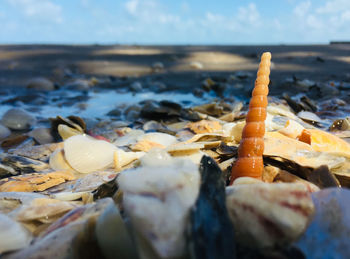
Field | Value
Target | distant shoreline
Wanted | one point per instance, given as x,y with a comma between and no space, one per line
321,62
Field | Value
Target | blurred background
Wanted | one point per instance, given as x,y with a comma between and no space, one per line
174,22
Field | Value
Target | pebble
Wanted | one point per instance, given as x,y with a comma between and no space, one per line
305,84
157,66
132,113
115,112
18,119
327,236
4,132
158,86
136,86
196,65
42,135
79,85
40,84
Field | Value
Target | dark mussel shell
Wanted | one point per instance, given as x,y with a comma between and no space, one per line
211,233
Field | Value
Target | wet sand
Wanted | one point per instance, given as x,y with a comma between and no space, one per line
19,63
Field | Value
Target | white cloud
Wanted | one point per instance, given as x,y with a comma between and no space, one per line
333,7
249,14
302,9
85,3
131,6
39,9
185,7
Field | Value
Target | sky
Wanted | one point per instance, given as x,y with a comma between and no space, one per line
174,21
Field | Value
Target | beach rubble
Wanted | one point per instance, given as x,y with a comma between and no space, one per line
151,179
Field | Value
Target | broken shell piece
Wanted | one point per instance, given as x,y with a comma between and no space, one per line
277,144
12,235
35,182
269,214
122,158
246,180
159,138
309,116
156,157
66,132
284,176
236,131
323,141
292,129
146,145
204,137
58,161
204,126
110,225
40,152
189,151
128,138
158,198
184,147
86,154
43,208
22,164
86,197
282,110
227,129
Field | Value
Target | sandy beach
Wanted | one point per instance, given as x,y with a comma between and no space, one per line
19,63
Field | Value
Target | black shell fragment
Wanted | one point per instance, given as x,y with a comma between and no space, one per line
211,234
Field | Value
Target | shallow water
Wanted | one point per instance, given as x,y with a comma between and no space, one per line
96,104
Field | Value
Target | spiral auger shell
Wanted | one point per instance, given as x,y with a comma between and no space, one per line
251,148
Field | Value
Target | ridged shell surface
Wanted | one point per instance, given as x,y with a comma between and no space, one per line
251,148
86,154
12,235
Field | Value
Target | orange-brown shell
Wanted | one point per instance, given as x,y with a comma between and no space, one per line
251,148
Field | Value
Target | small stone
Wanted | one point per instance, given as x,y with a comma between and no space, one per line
243,74
158,86
157,66
196,65
305,84
208,83
42,135
136,86
4,132
79,85
115,112
40,84
327,236
18,119
198,92
132,113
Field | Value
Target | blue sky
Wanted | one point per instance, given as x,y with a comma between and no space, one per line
174,21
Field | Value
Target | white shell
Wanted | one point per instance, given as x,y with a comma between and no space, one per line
12,235
158,198
129,139
292,129
86,154
122,158
67,132
196,65
58,162
160,138
309,116
269,214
